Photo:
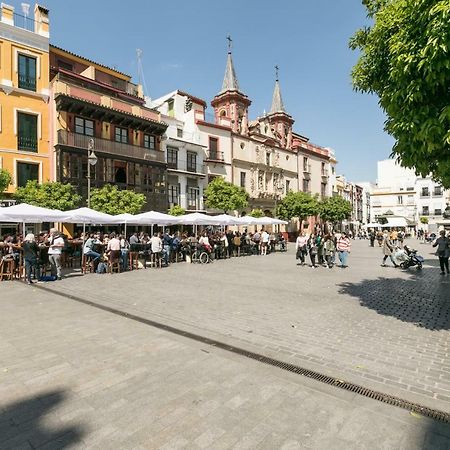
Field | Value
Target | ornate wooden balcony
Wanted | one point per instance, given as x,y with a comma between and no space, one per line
112,148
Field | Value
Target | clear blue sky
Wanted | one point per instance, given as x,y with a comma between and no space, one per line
184,47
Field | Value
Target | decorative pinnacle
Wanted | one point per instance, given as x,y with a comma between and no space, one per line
276,72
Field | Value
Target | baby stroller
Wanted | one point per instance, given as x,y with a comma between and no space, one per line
408,257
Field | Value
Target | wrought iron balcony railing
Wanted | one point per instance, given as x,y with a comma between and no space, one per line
27,143
212,155
28,83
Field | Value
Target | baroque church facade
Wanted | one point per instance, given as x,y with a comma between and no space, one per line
265,156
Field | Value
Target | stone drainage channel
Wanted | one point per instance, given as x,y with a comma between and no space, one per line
375,395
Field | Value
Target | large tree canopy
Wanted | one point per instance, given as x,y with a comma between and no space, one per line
334,209
405,62
298,204
225,196
111,200
53,195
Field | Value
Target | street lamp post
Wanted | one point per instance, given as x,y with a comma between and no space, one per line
278,192
92,161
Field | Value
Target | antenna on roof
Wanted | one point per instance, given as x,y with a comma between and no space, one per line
141,77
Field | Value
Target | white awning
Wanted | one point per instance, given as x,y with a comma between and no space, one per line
397,222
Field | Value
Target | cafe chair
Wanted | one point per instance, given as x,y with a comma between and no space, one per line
114,261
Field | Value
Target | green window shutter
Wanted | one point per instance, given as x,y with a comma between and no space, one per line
27,132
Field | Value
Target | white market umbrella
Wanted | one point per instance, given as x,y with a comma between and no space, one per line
226,219
125,219
155,218
90,216
32,214
279,222
246,220
198,219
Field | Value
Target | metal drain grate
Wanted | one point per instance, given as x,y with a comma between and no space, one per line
357,389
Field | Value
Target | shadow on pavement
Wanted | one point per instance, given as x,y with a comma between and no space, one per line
21,424
422,299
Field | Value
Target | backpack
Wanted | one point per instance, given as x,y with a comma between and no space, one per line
101,268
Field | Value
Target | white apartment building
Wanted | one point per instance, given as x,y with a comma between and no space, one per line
399,191
184,149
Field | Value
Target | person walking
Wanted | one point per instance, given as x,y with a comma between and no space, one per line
56,242
31,256
343,247
372,238
301,247
443,251
312,249
387,248
330,250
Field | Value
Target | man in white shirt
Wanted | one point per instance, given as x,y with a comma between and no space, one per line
264,242
156,244
113,243
56,242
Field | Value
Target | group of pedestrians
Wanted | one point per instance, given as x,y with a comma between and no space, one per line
322,249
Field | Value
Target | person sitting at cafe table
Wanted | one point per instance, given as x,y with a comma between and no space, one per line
88,249
113,243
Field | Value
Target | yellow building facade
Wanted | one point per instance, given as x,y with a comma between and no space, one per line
24,96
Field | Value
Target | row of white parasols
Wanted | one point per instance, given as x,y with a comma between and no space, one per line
24,213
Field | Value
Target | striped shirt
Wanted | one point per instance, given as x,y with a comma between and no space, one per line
344,244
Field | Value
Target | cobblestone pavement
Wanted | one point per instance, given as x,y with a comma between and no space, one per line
381,327
72,376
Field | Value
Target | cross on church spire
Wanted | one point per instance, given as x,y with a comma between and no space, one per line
230,82
277,101
230,43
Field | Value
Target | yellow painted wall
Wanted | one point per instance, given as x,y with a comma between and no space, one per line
13,99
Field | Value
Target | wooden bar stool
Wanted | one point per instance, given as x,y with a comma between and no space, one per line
87,265
155,260
114,261
7,269
133,260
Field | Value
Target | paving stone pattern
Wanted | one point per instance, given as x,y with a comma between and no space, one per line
76,377
381,327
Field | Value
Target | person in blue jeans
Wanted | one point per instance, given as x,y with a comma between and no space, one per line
343,246
88,251
124,251
167,241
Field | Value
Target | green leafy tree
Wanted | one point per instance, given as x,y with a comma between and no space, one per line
256,213
225,196
111,200
176,210
53,195
5,180
334,209
298,204
404,60
424,220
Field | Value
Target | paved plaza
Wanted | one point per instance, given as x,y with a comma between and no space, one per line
73,376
